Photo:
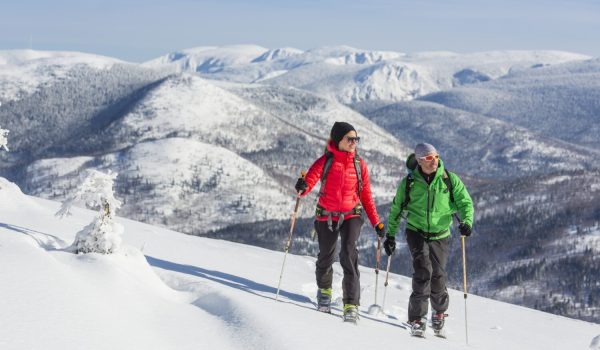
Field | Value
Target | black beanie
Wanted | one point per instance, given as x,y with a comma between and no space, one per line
338,131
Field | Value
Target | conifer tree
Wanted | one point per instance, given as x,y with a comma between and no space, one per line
103,235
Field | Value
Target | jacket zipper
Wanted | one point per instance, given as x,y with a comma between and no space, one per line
428,214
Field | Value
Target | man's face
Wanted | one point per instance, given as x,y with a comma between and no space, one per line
429,163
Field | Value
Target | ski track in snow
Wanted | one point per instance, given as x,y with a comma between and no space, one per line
242,326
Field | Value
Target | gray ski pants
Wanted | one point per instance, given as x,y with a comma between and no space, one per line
349,233
429,276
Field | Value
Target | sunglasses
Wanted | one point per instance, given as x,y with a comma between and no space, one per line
430,157
353,139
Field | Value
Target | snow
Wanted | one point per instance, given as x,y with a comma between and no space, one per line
190,174
270,75
164,290
210,59
209,138
103,235
4,139
352,75
595,344
556,179
23,71
277,54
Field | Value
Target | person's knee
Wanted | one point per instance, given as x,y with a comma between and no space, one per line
325,263
348,260
348,250
422,266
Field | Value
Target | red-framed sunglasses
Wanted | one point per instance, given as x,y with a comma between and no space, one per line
430,157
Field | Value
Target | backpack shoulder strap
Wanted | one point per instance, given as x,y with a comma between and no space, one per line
448,183
409,183
358,172
326,167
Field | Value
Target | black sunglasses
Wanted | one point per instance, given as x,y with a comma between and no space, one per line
353,139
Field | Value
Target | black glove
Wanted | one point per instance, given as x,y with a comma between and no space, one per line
380,230
301,185
389,245
465,229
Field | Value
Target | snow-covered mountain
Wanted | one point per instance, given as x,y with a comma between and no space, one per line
165,290
192,154
560,101
481,145
210,59
62,96
351,75
23,71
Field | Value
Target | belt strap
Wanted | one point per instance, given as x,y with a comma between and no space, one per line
427,235
357,210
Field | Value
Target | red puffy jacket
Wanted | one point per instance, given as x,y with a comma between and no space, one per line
341,188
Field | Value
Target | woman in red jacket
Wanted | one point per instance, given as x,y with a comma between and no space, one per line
345,193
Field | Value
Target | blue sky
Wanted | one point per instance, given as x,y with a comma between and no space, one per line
137,30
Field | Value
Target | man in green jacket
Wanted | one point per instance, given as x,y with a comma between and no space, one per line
428,212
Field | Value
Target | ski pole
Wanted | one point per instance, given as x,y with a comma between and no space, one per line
289,240
377,261
387,275
465,285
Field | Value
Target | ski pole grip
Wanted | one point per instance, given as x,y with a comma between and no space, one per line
302,175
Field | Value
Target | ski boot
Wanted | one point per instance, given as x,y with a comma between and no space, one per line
350,313
437,323
324,300
417,327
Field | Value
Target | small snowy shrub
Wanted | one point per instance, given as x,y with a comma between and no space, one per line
103,235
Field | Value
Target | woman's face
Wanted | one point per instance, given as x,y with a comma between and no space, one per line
349,142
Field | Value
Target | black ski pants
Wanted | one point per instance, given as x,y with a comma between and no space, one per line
429,275
349,233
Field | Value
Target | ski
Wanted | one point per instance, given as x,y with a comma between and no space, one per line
324,309
440,333
350,314
417,328
417,333
437,324
352,320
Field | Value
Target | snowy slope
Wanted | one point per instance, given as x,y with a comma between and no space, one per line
189,185
352,75
193,292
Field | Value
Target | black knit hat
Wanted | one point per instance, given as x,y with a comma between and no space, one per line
338,131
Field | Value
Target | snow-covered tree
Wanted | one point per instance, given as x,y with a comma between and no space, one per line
4,139
103,235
